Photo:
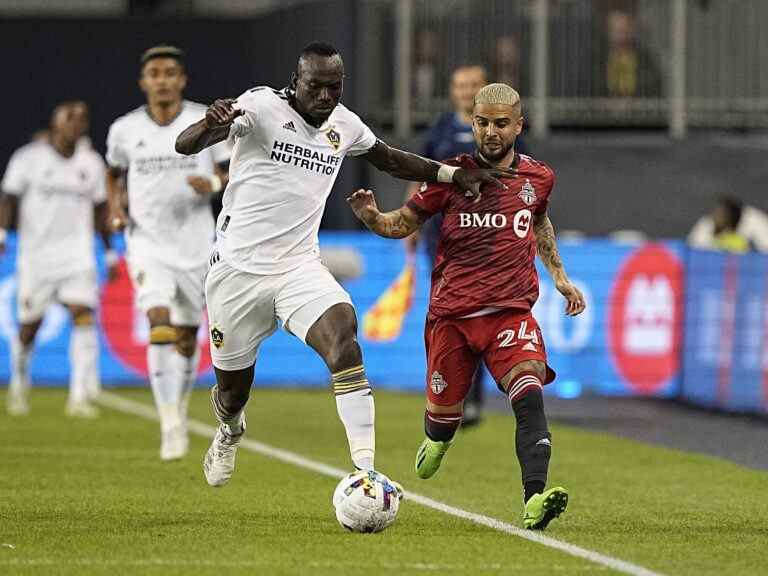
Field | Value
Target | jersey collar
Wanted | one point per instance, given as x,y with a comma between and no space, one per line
483,163
171,121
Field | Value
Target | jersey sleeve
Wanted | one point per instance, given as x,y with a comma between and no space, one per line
246,122
364,140
117,148
100,184
429,200
15,178
222,151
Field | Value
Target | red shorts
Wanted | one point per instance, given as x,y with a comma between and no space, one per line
455,346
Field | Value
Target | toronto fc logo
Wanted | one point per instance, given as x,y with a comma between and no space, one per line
527,193
334,138
438,383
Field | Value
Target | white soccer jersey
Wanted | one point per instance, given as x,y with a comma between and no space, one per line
56,200
169,221
281,174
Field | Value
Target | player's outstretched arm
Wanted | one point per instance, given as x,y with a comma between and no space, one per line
212,129
410,166
546,246
395,224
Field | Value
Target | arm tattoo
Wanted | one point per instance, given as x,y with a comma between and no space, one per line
546,245
401,164
395,224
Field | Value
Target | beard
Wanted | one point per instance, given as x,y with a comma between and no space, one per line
496,154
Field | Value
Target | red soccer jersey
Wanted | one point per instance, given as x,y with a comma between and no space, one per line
485,256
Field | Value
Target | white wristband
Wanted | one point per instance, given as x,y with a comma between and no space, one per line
216,183
3,235
445,173
111,257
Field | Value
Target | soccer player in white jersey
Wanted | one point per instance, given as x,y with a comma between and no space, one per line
55,191
169,230
289,146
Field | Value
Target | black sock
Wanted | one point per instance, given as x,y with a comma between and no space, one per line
441,427
532,441
532,487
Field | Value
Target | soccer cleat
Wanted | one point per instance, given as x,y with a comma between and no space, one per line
81,409
173,444
16,404
219,461
541,509
429,456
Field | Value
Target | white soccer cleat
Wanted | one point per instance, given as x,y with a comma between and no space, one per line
81,409
174,444
17,404
219,461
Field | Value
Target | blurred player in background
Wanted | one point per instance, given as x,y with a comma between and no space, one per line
169,230
289,146
54,189
484,285
450,136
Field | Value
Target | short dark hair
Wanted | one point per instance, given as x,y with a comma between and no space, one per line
319,49
162,51
733,207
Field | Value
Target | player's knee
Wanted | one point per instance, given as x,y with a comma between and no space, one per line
536,369
186,341
159,316
163,334
27,333
344,352
82,316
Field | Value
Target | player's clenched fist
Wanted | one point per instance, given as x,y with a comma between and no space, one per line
221,113
363,204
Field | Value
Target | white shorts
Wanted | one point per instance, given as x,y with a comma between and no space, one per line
158,285
36,292
243,308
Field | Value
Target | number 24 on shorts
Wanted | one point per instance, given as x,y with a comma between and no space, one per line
510,337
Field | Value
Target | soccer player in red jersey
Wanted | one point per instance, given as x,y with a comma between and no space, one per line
484,284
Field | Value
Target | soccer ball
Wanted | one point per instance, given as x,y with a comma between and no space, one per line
366,501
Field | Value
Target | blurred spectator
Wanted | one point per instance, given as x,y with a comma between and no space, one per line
629,70
425,68
731,227
507,64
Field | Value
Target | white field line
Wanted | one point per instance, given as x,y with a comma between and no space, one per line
146,411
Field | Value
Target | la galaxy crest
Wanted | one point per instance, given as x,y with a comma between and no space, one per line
527,193
217,337
334,138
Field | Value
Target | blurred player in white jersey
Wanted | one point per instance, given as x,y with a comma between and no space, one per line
55,189
169,230
289,146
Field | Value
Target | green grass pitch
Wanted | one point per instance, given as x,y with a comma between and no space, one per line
92,497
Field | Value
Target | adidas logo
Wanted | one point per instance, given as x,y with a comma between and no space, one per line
141,144
289,126
544,442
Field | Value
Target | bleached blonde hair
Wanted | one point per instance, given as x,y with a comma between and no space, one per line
499,94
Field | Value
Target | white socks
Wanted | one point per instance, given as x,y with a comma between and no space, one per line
357,413
186,372
20,356
84,364
166,386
